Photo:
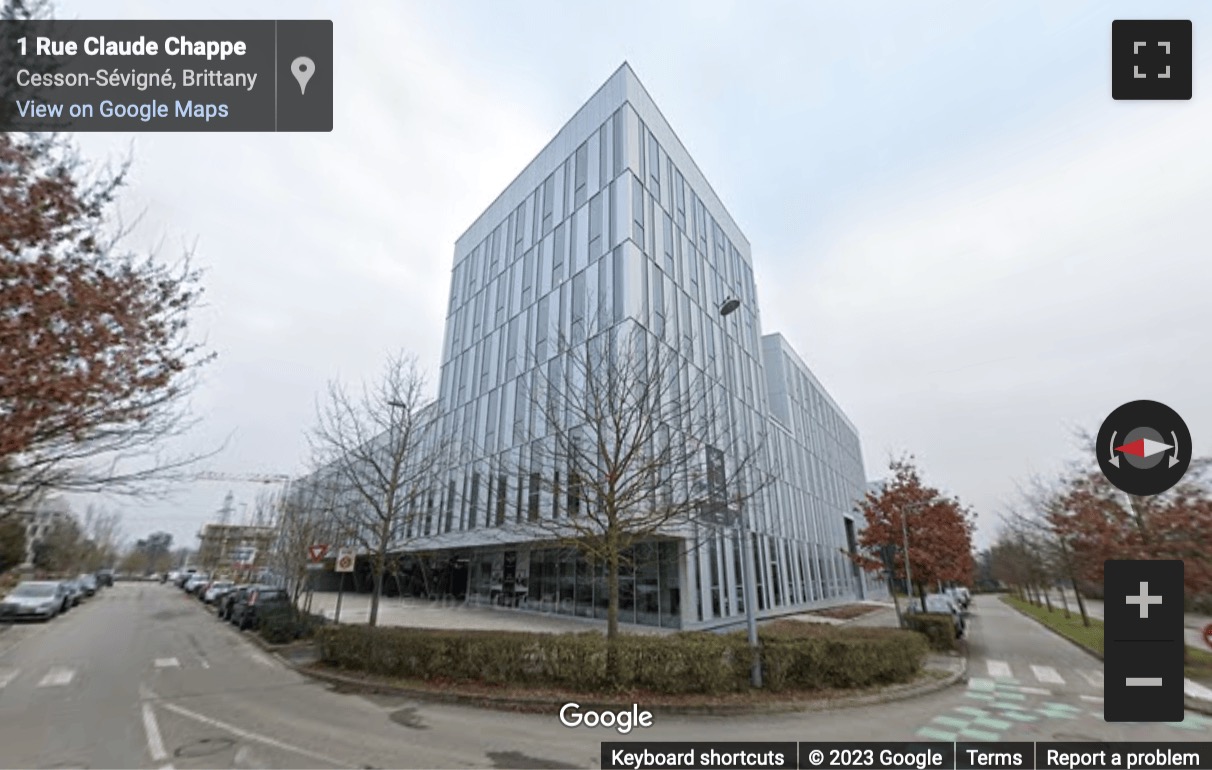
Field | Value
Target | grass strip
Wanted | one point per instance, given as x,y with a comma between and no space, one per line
1198,665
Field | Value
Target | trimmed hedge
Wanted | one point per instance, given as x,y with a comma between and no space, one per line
688,662
938,628
286,625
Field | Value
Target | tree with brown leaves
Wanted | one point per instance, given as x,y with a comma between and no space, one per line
939,531
95,360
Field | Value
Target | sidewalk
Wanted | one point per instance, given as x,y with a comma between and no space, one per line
419,613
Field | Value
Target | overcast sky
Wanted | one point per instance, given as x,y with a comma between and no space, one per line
971,244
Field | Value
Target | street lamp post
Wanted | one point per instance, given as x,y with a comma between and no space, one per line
745,540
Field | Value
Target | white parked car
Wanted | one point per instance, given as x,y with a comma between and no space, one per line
195,580
216,590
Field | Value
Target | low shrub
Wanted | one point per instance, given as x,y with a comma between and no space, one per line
688,662
939,629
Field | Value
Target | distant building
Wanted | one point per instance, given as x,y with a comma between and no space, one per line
39,520
225,547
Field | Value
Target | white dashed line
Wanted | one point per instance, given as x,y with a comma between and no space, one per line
1047,674
1034,691
1094,678
57,677
1092,698
999,669
167,663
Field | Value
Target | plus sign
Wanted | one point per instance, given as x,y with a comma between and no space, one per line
1144,600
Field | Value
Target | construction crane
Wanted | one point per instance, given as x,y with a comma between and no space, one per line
259,478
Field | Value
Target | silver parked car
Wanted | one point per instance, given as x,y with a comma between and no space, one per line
35,599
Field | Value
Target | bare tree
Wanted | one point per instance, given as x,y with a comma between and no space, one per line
384,450
306,520
103,530
631,447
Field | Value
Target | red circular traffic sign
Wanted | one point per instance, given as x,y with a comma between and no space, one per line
1208,634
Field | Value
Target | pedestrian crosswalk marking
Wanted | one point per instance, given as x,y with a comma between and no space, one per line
167,663
1047,674
1093,698
1035,690
1094,678
999,669
8,676
57,677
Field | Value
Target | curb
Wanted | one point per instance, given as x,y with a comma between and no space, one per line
1190,704
889,695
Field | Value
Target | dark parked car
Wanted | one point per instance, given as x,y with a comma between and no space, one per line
247,612
105,577
88,584
35,599
227,603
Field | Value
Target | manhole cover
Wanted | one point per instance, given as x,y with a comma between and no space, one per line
408,717
204,747
516,760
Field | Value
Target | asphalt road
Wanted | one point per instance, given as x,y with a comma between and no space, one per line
144,677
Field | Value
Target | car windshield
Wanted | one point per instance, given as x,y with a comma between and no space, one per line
34,590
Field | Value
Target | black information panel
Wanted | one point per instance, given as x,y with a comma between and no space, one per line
1143,641
166,76
908,755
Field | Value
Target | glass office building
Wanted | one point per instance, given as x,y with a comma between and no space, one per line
614,226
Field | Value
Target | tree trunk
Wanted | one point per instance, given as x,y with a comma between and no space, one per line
612,616
1065,602
1081,603
1047,598
921,590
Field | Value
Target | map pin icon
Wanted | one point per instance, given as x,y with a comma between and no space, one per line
302,68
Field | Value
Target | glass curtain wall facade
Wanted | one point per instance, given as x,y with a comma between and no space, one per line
613,226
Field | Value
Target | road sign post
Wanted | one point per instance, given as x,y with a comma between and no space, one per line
345,563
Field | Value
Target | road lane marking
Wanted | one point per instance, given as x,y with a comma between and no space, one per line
155,744
1047,674
1092,698
1094,678
205,664
251,736
57,677
1035,691
262,658
8,676
999,669
167,663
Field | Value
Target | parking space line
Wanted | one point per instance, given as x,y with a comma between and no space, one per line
251,736
155,744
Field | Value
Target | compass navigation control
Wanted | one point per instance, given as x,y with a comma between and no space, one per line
1144,448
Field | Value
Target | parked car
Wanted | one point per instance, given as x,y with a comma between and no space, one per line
75,592
35,599
88,584
217,590
105,577
183,576
194,581
227,603
961,595
252,607
945,604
